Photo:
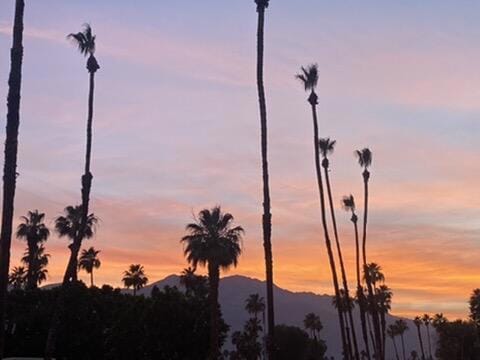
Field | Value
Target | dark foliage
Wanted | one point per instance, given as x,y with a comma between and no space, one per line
294,343
457,340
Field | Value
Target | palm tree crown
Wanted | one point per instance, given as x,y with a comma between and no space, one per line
255,304
135,277
85,40
327,146
261,4
89,260
37,263
213,239
364,157
17,277
32,227
69,225
309,77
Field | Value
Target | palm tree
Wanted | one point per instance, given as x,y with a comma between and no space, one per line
10,159
309,79
88,261
365,160
255,304
267,216
37,264
70,226
376,274
401,326
392,331
427,320
17,277
313,324
35,232
418,323
348,203
214,242
327,147
135,277
384,300
85,41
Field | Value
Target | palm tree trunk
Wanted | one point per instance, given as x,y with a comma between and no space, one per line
214,279
395,347
91,278
383,322
31,281
371,298
267,217
342,266
313,102
429,343
420,340
10,160
403,346
134,290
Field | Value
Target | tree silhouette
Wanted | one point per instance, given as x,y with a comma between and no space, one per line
392,331
309,78
135,278
255,304
33,230
418,323
214,242
17,277
37,264
10,159
327,147
474,303
313,324
401,326
427,320
88,261
383,295
365,160
267,216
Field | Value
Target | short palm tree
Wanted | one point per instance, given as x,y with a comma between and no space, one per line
365,160
427,320
37,262
88,261
85,41
10,159
401,326
33,230
70,226
392,332
327,147
262,5
255,304
313,324
213,241
418,324
135,278
348,203
17,277
309,78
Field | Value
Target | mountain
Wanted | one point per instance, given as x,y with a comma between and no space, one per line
290,309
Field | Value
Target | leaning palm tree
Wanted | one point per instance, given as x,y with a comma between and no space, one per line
418,323
427,320
327,147
135,278
37,265
348,203
17,277
401,326
267,216
85,41
10,159
309,78
213,241
365,160
34,231
392,331
88,261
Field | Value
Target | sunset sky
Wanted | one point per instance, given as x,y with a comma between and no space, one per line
177,129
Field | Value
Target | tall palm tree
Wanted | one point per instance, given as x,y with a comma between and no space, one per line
365,160
309,78
88,261
85,41
214,242
418,323
392,332
327,147
427,320
401,326
17,277
71,226
135,277
37,265
267,216
35,232
348,203
313,324
384,300
10,159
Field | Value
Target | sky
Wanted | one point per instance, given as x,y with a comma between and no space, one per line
176,129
